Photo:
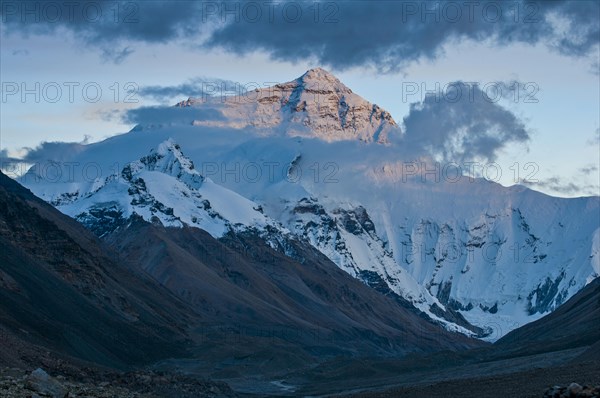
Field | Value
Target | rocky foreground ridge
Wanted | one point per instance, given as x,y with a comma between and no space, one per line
17,383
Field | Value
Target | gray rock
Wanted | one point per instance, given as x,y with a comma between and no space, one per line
42,384
574,389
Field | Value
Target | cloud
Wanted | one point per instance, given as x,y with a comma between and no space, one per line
55,151
109,115
595,68
8,162
198,87
384,34
161,115
106,22
46,151
595,140
116,56
388,35
11,166
21,51
460,128
588,169
106,25
580,23
558,185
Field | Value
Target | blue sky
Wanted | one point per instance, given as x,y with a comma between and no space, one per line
379,49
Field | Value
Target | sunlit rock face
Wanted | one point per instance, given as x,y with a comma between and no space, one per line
316,104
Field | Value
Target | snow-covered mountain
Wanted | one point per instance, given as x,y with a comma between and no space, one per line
316,104
316,164
165,188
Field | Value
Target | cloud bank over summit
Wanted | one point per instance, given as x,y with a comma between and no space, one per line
471,128
452,128
466,128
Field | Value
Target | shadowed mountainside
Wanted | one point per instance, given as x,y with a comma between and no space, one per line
239,279
61,288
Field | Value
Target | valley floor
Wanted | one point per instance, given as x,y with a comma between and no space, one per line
478,373
531,383
475,373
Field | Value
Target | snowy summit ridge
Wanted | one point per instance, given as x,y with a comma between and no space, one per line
162,187
167,158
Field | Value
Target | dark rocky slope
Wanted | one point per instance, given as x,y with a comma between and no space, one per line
61,288
243,288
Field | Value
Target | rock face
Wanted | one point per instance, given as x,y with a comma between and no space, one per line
316,105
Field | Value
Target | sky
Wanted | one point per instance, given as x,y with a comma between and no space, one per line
527,71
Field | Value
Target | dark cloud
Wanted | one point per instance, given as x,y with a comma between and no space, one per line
106,24
582,20
389,34
199,88
384,34
458,128
161,115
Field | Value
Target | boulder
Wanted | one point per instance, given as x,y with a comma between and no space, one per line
44,385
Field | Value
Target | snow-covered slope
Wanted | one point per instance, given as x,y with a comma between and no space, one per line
162,187
474,255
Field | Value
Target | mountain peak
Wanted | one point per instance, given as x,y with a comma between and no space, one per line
168,158
165,156
320,78
318,70
315,105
